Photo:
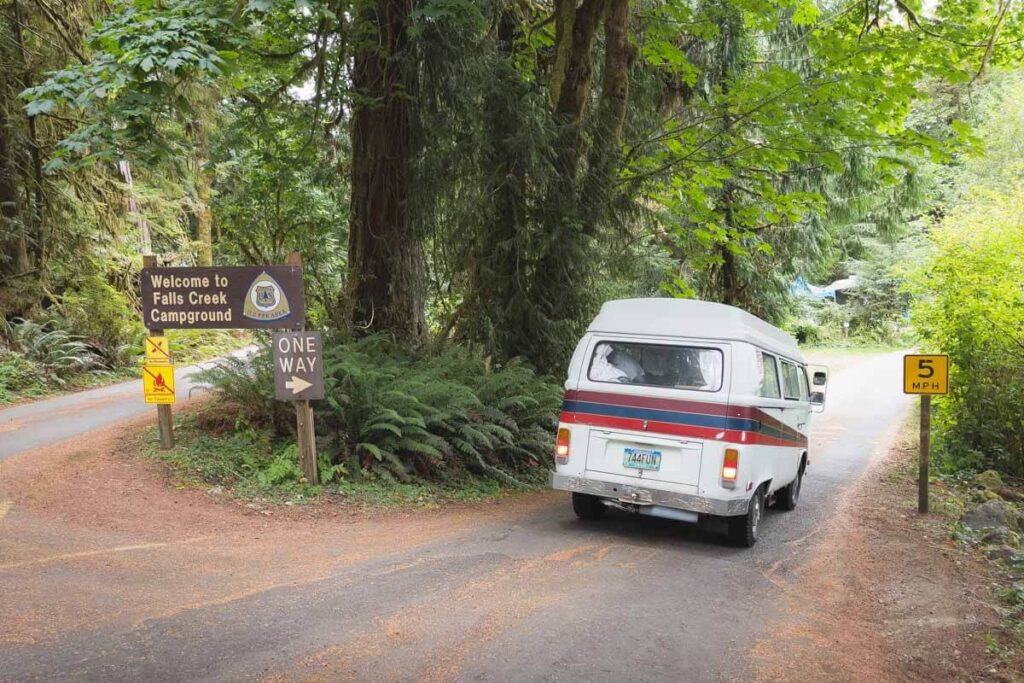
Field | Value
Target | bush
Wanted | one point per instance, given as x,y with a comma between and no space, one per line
105,318
438,413
58,352
19,377
192,346
971,305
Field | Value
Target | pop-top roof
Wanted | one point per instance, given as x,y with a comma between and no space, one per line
691,318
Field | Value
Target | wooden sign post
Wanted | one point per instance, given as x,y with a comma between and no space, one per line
305,431
164,417
926,375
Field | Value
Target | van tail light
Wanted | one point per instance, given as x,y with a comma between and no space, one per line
562,446
730,466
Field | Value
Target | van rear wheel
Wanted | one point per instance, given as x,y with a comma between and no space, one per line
743,530
787,498
587,507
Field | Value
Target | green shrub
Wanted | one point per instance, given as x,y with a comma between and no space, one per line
19,377
105,318
193,346
971,306
236,458
438,413
60,353
283,469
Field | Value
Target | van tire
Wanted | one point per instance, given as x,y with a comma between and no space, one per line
587,507
744,529
787,498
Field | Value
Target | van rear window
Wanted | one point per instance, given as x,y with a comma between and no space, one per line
657,365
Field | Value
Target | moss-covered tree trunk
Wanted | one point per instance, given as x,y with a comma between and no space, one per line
15,247
561,290
384,292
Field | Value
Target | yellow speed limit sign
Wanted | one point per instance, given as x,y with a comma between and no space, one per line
926,374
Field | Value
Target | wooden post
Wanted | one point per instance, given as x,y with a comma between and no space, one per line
922,474
164,417
307,441
305,430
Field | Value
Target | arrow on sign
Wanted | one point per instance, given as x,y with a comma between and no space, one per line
297,385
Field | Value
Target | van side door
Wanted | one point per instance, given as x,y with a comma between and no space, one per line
769,389
794,391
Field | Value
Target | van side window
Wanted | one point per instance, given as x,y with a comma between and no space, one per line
790,381
805,392
658,365
769,375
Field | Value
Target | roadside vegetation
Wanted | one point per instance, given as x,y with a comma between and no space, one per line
51,355
425,423
967,289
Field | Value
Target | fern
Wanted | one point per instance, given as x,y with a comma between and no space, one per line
437,413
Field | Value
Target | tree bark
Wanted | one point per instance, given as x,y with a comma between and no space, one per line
203,176
14,259
606,153
38,203
11,228
575,82
204,219
384,292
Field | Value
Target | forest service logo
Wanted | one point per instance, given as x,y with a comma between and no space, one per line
265,300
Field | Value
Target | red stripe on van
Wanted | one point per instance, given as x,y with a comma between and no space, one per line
673,429
701,407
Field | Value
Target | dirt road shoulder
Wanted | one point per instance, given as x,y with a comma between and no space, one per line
889,595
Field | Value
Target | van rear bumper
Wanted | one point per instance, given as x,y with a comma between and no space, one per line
641,495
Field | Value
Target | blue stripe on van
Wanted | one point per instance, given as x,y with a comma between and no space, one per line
654,415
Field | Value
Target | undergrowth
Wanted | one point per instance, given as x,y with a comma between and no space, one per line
393,416
248,464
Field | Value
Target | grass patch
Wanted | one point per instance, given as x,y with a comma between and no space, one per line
249,464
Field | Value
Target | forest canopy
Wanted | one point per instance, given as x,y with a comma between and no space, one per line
479,171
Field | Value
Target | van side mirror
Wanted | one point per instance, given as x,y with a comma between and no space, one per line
819,386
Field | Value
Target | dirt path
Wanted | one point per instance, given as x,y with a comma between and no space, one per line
887,596
122,544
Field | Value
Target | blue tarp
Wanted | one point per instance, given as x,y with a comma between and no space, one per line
803,288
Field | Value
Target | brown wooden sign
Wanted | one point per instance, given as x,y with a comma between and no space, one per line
248,296
298,366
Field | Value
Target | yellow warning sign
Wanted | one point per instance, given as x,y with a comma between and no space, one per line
158,351
925,374
158,383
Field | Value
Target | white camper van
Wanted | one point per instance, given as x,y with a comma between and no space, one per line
680,409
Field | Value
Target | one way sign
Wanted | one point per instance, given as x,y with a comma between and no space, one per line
298,366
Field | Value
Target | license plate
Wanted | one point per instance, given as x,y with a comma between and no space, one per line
641,459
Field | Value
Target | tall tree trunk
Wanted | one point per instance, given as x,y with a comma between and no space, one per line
560,280
384,291
39,218
606,153
204,220
16,248
575,82
200,129
15,258
496,301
